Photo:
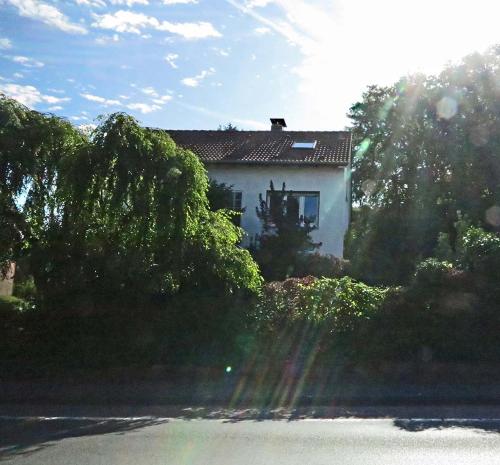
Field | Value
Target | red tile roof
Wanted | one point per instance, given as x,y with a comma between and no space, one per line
266,147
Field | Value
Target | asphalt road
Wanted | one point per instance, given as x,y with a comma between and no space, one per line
181,441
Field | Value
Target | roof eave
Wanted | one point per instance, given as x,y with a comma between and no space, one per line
275,162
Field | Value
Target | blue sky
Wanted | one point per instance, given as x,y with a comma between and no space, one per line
199,63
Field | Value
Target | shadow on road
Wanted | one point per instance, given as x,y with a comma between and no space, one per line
415,426
26,436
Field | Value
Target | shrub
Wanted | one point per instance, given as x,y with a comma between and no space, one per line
431,274
321,266
340,304
479,251
310,319
10,305
25,289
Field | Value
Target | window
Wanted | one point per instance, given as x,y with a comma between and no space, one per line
236,198
303,205
236,205
304,144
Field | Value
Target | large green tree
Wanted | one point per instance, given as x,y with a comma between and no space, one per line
424,149
114,216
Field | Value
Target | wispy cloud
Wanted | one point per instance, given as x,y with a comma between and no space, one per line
5,43
223,117
26,61
257,3
149,91
103,101
29,95
170,58
91,3
134,23
144,108
129,3
162,99
221,51
155,96
262,30
103,40
196,80
177,2
55,108
48,14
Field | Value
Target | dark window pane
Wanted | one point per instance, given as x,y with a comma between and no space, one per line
311,204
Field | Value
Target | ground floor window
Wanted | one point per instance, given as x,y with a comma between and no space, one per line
303,205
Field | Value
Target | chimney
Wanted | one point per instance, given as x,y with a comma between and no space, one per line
277,124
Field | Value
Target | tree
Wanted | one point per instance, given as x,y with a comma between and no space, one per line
113,217
227,127
425,149
285,237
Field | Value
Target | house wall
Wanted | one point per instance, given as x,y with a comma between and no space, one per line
7,283
333,184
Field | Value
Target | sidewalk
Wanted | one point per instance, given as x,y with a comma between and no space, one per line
239,393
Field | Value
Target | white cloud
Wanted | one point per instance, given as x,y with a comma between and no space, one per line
221,51
155,96
144,107
5,43
92,3
171,58
262,30
149,91
199,30
55,108
87,128
161,100
51,99
257,3
103,101
134,23
26,61
18,75
178,2
48,14
196,80
29,95
103,40
129,3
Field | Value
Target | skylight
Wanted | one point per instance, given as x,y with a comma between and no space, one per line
304,144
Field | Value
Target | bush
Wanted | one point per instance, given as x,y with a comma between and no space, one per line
321,266
314,319
10,305
25,289
431,274
479,251
340,304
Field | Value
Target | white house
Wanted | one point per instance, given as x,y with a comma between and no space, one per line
314,165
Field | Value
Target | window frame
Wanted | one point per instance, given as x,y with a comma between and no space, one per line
299,194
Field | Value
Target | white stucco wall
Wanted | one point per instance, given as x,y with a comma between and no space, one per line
331,182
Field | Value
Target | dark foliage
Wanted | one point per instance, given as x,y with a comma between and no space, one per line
285,236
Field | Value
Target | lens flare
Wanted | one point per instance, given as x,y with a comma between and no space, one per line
447,108
493,216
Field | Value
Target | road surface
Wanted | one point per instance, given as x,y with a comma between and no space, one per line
180,441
